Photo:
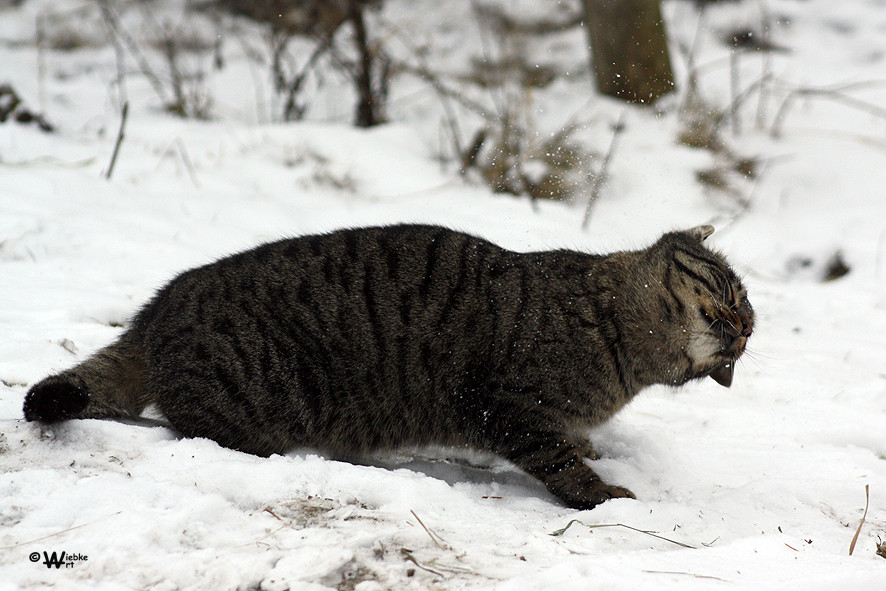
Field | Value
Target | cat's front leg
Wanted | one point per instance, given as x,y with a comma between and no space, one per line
559,464
586,449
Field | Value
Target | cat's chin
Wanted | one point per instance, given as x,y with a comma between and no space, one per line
723,374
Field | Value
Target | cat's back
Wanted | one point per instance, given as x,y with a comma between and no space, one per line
339,289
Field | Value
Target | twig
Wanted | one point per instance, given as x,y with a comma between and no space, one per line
451,120
269,534
499,20
767,23
836,94
696,41
690,53
41,62
470,154
431,535
499,102
120,135
263,110
604,170
182,151
144,65
737,101
407,554
760,120
560,532
49,161
450,568
187,102
443,90
673,572
120,59
58,533
424,72
734,83
867,498
188,165
292,111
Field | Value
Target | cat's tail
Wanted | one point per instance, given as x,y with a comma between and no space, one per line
111,383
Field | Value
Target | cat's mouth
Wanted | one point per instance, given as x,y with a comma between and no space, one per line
732,345
733,327
723,373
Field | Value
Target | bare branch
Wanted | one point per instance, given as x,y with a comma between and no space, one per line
603,174
120,135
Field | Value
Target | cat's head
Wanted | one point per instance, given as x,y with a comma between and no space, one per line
715,318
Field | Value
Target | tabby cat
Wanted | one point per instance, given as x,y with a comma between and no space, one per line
376,338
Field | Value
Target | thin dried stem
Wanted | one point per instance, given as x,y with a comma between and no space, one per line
837,94
58,533
117,144
113,22
603,174
867,499
431,535
560,532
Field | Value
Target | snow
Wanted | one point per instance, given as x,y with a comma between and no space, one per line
766,480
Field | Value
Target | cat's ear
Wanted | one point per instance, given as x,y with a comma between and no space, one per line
701,232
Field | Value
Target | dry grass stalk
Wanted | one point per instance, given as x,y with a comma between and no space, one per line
867,498
407,555
434,537
120,135
560,532
603,173
837,94
58,533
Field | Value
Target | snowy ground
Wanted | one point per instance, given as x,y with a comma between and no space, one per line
766,480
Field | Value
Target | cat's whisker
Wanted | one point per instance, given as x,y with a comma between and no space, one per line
732,326
756,355
746,359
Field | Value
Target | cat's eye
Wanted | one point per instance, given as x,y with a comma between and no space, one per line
706,317
740,303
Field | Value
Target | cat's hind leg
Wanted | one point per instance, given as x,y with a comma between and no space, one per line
204,391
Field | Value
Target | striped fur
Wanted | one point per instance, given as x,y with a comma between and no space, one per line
385,337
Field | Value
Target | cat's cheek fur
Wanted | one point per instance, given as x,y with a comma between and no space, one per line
703,348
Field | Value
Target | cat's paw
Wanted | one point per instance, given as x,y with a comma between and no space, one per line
586,449
617,492
590,498
54,399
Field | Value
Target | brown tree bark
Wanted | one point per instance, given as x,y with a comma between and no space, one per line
629,51
368,108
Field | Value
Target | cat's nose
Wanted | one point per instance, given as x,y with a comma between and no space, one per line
746,328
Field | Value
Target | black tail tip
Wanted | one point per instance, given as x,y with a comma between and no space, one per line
54,399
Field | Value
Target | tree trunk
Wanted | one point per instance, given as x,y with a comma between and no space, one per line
629,51
367,102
